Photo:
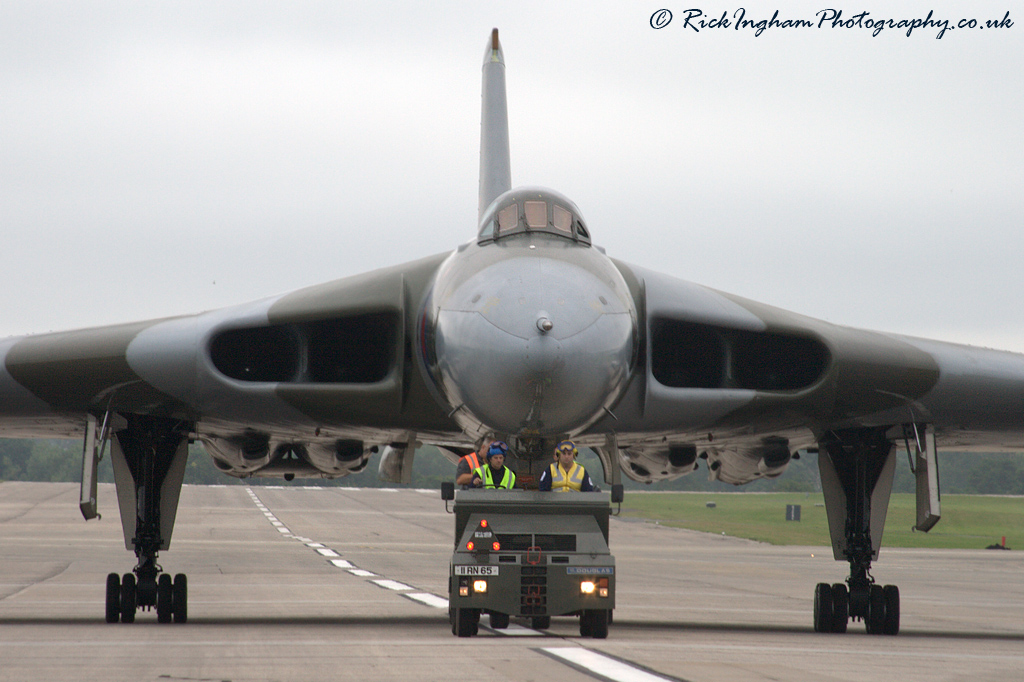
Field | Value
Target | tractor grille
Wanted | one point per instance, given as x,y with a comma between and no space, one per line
533,591
520,542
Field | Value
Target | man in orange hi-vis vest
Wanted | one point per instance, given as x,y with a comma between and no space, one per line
472,461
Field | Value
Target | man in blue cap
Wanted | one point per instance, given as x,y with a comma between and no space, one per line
494,474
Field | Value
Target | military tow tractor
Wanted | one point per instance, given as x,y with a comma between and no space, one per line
529,554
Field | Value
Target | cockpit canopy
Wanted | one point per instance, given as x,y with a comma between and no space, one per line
532,209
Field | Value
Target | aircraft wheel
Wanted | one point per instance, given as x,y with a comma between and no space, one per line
823,607
128,596
499,621
179,598
840,607
540,622
875,621
113,598
465,623
892,610
164,596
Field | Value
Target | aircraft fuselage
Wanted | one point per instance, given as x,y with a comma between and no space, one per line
531,333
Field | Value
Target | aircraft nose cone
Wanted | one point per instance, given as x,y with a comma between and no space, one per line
534,346
542,355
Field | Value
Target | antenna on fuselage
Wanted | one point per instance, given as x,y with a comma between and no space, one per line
495,166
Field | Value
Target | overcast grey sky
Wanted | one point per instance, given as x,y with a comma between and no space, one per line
166,158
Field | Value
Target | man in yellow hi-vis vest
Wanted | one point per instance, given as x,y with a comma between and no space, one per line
494,474
565,474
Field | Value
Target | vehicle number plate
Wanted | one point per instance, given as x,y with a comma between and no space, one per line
476,570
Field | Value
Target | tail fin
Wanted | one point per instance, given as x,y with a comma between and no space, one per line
495,166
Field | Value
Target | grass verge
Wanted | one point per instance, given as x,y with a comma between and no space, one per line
968,521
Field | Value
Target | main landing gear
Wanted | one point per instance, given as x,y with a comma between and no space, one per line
879,608
149,457
856,467
126,594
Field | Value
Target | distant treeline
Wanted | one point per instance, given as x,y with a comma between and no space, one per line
960,473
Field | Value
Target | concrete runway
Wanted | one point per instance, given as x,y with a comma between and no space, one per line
267,603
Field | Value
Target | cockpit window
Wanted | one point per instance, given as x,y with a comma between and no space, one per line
536,214
508,218
562,220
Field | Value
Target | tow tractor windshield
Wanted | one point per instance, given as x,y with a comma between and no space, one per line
531,210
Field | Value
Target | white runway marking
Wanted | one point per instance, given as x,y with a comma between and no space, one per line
391,584
421,597
514,630
598,664
428,599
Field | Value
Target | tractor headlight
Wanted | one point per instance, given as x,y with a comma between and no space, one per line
480,586
587,587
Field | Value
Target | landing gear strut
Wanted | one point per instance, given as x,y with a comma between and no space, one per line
149,457
856,467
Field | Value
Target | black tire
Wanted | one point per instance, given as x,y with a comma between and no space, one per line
128,598
892,610
540,622
164,597
840,607
113,598
499,621
179,598
599,624
465,623
823,607
586,624
875,621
